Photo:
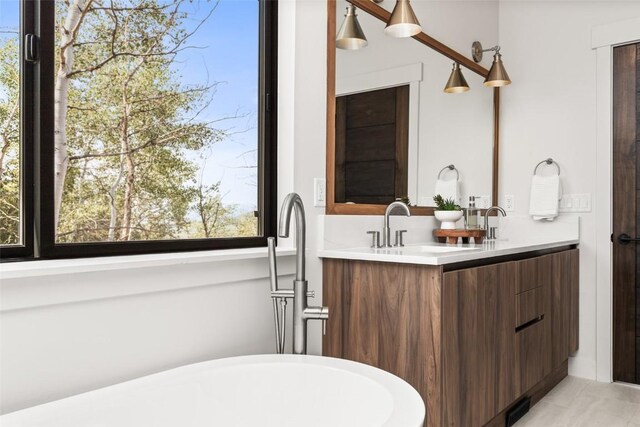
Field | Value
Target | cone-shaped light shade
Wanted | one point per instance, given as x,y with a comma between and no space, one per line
457,82
351,36
403,22
497,74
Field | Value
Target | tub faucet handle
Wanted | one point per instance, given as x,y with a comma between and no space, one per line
311,294
324,326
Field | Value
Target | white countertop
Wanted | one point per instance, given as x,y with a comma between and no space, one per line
439,254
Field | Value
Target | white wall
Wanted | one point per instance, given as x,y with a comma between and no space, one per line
550,111
66,332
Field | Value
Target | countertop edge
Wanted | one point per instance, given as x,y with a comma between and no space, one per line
441,259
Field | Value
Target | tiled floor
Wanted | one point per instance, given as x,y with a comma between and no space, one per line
584,403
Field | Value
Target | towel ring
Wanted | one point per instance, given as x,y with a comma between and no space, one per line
548,161
451,168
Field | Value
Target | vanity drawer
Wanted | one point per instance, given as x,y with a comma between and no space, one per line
534,273
529,306
528,277
532,355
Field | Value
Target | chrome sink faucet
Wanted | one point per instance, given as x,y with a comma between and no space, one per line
491,232
301,311
386,231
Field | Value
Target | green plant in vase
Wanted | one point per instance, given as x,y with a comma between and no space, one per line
448,212
446,204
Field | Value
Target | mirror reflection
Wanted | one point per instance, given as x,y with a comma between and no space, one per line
398,133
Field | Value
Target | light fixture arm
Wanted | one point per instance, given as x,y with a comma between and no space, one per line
495,49
477,50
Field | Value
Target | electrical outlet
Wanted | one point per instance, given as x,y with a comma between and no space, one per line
319,192
509,203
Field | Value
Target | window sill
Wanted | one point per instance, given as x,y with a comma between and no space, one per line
23,270
50,282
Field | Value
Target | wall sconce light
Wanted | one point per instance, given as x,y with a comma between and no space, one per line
403,22
350,36
497,74
456,82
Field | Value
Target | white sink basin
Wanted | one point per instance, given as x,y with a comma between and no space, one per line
438,249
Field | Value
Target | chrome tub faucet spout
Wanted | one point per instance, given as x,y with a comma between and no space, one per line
291,202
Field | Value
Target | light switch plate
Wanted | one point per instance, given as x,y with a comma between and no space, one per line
575,203
319,192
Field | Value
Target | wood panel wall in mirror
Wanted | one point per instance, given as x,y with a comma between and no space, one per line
392,130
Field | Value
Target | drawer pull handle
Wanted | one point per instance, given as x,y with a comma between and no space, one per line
529,323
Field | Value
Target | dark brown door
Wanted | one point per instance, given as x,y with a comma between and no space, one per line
372,132
626,216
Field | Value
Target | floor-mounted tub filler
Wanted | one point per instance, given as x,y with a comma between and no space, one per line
262,390
276,390
302,312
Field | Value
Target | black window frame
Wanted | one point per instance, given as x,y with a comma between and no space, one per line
27,134
38,17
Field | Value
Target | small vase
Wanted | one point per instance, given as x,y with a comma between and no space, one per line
448,219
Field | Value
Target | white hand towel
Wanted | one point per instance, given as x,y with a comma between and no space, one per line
545,195
449,189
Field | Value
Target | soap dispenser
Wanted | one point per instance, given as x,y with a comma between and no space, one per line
471,215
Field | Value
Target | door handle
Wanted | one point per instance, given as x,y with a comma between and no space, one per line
625,239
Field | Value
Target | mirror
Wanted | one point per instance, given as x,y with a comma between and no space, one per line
396,132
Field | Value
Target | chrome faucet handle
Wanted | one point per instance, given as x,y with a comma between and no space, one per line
399,243
375,239
311,294
324,326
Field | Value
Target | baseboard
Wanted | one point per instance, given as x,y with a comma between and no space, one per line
535,393
583,368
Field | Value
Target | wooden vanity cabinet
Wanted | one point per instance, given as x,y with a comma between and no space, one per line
472,340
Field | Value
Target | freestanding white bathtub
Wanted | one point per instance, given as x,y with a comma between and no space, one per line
261,391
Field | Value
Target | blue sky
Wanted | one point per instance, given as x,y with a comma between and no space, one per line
8,14
229,56
9,21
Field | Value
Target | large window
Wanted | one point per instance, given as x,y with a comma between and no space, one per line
154,124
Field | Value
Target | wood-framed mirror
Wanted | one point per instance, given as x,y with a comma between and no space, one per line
392,132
